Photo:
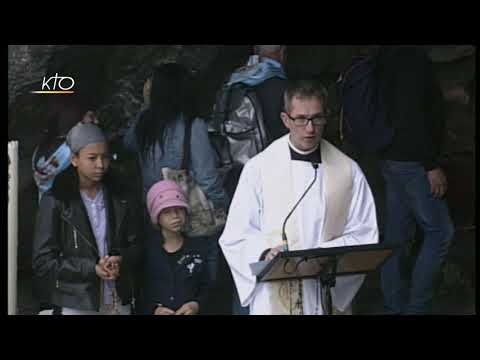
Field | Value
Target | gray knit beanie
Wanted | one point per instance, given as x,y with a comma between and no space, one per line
82,135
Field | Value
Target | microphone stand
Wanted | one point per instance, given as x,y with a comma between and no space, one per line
327,280
328,277
284,235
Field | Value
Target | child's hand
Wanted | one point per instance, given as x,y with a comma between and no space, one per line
101,271
112,266
108,267
161,310
190,308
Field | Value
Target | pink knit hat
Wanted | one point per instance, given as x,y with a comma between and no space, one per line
162,195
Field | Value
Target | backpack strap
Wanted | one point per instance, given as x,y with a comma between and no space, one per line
186,144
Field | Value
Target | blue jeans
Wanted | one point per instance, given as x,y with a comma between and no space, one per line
409,202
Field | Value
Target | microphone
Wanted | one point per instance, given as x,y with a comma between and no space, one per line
284,235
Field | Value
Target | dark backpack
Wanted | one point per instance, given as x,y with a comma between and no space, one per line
236,130
363,98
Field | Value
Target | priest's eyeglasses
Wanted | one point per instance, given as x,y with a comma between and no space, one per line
318,120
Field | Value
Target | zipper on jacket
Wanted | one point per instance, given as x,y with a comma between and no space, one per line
79,232
75,238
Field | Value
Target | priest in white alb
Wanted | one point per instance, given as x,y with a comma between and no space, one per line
338,209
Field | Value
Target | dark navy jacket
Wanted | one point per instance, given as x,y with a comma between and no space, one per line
189,281
417,110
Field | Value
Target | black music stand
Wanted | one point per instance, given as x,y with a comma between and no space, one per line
324,264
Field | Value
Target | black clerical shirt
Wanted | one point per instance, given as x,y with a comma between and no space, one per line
314,157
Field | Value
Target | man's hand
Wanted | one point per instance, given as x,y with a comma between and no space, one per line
162,310
190,308
273,252
438,183
457,93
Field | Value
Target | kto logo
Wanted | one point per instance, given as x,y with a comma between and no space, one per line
56,85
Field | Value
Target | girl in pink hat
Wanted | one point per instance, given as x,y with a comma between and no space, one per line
176,277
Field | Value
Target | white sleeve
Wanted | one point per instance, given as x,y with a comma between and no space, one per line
242,241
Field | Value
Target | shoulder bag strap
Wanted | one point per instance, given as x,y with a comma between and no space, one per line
186,144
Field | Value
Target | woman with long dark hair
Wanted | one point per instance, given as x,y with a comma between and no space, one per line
157,135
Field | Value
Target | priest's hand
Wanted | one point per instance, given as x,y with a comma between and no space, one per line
162,310
274,252
190,308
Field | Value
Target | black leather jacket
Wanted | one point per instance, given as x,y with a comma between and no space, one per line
65,251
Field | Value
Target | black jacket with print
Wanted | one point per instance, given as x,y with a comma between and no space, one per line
65,251
172,288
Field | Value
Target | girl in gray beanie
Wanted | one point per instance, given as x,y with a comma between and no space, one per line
85,245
